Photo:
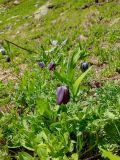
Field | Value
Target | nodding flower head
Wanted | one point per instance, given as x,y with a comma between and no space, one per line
52,66
63,95
41,64
2,50
84,66
8,59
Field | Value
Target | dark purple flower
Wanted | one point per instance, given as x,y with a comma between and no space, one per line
8,59
63,95
84,66
51,66
96,1
2,50
41,64
118,69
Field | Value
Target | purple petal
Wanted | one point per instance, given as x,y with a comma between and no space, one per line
63,95
51,66
60,94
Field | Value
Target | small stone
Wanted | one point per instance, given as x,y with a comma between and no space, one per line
17,32
36,5
16,2
1,42
82,38
95,84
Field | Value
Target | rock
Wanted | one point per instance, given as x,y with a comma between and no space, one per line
16,2
51,6
36,5
54,22
114,21
9,27
1,42
2,32
95,84
82,38
17,32
42,11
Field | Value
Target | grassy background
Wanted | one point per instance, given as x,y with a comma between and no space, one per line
23,86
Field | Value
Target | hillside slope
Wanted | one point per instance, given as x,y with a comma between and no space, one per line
32,24
59,79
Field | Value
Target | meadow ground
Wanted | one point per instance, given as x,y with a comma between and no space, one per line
32,125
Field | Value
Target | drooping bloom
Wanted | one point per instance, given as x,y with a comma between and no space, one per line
2,50
84,66
63,95
51,66
41,64
54,42
8,59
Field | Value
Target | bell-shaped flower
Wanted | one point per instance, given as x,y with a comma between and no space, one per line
84,66
63,95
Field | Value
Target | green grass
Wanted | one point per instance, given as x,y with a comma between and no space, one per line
32,125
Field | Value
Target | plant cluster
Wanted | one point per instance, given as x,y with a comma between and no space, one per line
43,125
3,52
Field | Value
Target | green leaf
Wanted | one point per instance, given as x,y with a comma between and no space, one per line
71,74
110,155
42,106
43,151
76,56
80,54
61,78
79,80
74,156
25,156
55,126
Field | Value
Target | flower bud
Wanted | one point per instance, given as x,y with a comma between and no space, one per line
41,64
84,66
8,59
51,66
2,50
63,95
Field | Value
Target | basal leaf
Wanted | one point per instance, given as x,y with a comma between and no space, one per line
43,151
74,156
110,155
78,81
61,78
25,156
42,106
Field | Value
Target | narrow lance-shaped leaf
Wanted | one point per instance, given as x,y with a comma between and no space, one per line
61,78
79,80
76,56
42,151
110,155
8,45
80,54
42,106
25,156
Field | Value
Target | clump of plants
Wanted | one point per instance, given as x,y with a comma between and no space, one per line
56,116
